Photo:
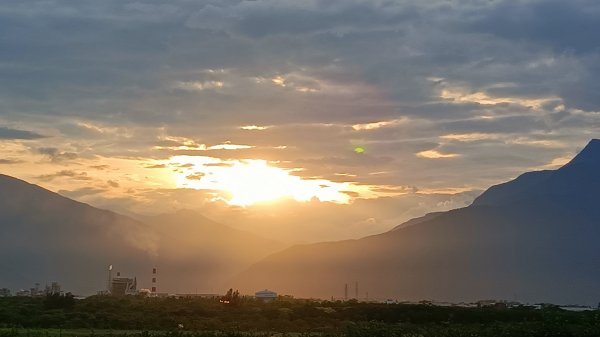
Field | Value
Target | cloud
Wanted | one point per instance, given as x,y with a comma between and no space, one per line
156,166
435,154
376,125
478,97
81,192
563,25
195,176
469,137
199,86
65,174
56,155
254,127
9,133
10,161
229,146
112,183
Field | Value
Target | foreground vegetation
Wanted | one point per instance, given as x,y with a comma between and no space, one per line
138,316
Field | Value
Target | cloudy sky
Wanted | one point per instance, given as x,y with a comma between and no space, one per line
302,120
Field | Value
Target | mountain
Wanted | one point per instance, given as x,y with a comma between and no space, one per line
575,185
46,237
533,239
417,221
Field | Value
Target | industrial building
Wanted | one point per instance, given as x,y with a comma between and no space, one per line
121,286
53,289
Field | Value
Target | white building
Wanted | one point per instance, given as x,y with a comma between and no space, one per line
266,295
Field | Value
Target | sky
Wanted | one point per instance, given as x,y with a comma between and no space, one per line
298,120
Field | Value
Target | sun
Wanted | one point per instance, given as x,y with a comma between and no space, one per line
249,182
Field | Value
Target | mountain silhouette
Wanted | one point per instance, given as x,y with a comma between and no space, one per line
46,237
533,239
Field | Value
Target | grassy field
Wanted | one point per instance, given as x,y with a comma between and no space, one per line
71,332
192,317
21,332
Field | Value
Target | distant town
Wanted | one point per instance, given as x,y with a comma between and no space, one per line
119,286
53,288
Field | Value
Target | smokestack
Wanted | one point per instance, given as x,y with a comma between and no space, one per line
109,285
153,289
346,291
356,290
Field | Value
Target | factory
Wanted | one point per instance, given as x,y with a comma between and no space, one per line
121,286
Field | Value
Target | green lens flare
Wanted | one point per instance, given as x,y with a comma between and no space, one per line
359,149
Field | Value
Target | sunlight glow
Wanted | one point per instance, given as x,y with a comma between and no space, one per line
255,127
248,182
377,125
470,137
435,154
199,86
461,95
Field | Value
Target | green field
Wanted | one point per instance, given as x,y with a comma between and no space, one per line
139,316
143,333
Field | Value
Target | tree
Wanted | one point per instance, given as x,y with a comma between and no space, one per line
231,297
58,301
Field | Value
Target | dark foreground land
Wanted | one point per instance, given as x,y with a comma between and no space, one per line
137,316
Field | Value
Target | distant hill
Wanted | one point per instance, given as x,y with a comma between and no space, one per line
533,239
46,237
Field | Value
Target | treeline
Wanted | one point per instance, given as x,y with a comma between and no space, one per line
210,317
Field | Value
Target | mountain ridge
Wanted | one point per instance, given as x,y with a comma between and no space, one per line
532,239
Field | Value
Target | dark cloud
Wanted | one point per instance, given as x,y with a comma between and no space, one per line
81,192
156,166
112,183
195,176
564,25
351,194
8,133
10,161
56,155
65,174
264,18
